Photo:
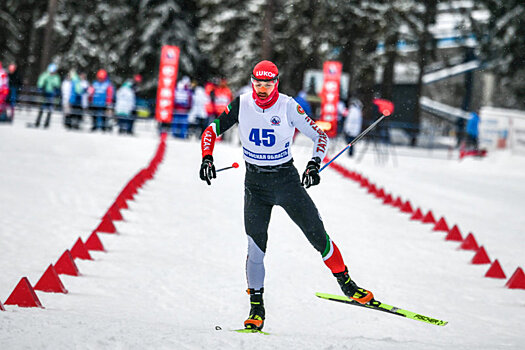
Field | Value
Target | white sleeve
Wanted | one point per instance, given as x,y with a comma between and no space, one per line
299,119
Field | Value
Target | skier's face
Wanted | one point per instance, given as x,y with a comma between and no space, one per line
263,89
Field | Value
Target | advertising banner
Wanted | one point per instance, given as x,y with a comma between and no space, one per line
169,66
330,97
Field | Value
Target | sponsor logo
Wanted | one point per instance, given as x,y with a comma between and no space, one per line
263,73
300,109
228,108
275,120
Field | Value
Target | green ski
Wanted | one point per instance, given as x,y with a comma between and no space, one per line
246,330
377,305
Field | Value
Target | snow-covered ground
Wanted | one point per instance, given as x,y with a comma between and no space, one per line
176,270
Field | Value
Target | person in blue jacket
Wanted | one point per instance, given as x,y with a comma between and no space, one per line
473,130
102,92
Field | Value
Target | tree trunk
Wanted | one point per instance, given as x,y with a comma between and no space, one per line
267,35
48,34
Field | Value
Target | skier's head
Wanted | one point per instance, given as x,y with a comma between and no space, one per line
11,68
102,75
265,81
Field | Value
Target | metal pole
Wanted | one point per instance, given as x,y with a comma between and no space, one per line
357,138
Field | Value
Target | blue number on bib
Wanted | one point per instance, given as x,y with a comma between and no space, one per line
266,137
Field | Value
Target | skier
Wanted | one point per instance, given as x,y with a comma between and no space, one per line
267,120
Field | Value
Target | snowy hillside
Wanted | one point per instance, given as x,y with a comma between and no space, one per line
175,271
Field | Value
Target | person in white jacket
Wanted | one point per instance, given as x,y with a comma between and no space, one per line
198,117
353,123
124,107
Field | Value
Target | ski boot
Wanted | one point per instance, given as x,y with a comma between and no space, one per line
256,319
351,290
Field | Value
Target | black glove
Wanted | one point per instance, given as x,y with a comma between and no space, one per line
207,169
311,174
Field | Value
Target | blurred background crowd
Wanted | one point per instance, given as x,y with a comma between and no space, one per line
439,61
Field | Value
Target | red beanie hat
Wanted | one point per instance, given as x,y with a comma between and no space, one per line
265,70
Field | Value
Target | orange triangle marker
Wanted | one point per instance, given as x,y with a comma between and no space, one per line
50,282
23,295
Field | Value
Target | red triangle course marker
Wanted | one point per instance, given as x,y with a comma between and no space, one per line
388,199
23,295
495,270
517,280
481,257
441,225
93,243
65,265
429,218
407,207
114,213
398,203
50,282
79,251
418,215
106,225
454,235
469,243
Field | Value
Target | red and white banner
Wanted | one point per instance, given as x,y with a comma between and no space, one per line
332,71
169,66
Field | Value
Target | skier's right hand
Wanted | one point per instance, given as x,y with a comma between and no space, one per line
207,169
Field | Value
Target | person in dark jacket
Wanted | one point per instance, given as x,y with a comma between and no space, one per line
14,87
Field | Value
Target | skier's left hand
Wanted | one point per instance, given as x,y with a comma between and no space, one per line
311,174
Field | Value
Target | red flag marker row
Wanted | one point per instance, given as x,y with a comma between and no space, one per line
516,281
24,294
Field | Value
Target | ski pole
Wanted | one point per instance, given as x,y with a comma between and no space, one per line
234,165
357,138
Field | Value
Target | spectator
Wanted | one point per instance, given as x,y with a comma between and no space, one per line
124,107
181,108
301,100
222,97
66,95
101,93
4,91
78,91
473,131
353,123
84,85
209,88
342,112
198,109
14,87
49,85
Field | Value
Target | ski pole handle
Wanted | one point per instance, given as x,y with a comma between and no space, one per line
357,138
234,165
